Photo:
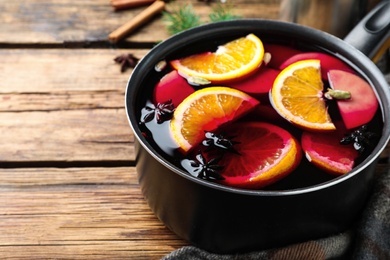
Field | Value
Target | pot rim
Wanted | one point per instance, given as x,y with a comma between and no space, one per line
243,26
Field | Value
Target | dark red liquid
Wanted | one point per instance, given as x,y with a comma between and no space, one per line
158,135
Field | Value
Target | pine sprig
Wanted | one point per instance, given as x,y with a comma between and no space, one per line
182,19
222,13
185,17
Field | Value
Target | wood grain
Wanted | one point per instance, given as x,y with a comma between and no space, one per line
60,70
61,100
59,22
64,105
66,136
76,213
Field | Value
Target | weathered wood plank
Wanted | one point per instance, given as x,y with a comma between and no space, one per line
41,90
66,136
78,213
66,100
96,251
58,22
61,70
45,177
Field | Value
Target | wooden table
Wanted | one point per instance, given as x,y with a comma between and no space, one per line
68,186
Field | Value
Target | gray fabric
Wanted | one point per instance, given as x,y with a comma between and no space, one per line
330,248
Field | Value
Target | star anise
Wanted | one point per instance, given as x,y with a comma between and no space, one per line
361,139
126,61
220,142
207,170
162,112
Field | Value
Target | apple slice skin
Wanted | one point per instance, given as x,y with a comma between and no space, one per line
172,86
279,53
362,106
328,62
258,84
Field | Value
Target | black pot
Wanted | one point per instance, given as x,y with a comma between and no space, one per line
223,219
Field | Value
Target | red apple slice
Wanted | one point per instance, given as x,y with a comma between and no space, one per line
328,62
172,86
361,107
258,84
279,53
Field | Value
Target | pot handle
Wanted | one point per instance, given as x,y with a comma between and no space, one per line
372,34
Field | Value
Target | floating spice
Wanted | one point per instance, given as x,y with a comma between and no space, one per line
162,112
337,94
220,142
198,81
361,139
201,168
160,66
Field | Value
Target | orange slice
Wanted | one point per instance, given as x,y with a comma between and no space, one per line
297,96
205,110
233,60
266,154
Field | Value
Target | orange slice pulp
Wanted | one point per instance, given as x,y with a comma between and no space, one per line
233,60
297,95
205,110
267,153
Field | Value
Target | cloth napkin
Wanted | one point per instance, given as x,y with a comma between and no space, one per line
368,239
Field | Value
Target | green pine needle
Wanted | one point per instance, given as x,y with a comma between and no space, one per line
185,17
222,13
182,19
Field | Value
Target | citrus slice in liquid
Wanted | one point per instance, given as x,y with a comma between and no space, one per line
297,95
266,154
325,152
205,110
232,60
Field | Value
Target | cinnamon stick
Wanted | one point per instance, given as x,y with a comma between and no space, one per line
140,19
127,4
